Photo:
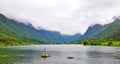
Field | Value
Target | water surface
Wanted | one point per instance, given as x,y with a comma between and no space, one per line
59,53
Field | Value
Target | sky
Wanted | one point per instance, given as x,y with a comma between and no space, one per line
66,16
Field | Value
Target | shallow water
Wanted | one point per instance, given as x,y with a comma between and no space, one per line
59,54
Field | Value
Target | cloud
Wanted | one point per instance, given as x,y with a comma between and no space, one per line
65,16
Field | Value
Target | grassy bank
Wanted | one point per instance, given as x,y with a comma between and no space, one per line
99,43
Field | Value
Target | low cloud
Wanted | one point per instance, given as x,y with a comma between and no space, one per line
65,16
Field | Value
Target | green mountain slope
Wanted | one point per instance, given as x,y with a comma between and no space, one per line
28,33
6,40
98,34
14,29
107,32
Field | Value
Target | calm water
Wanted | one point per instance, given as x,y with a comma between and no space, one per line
59,53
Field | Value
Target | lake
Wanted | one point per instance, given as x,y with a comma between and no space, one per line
31,54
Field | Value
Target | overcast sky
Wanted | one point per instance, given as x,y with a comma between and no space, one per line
65,16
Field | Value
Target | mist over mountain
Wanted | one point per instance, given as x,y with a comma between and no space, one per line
28,33
65,16
109,31
18,31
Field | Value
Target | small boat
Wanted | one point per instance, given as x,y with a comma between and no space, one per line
45,55
70,57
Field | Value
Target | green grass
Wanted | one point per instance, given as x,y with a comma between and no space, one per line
1,56
98,43
6,40
115,43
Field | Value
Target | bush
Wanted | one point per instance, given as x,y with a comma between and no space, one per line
110,43
1,56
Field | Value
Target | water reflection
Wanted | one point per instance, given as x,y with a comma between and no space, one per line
101,55
59,54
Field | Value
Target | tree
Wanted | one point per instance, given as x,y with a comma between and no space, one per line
85,43
109,43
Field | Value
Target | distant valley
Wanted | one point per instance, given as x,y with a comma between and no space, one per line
15,33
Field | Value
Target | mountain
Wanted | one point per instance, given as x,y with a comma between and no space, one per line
109,31
27,32
72,37
92,31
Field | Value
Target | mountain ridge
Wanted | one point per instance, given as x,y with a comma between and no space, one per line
28,32
104,32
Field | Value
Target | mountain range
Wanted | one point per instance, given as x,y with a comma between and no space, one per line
109,31
14,31
27,32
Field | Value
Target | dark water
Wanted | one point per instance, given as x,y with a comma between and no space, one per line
59,54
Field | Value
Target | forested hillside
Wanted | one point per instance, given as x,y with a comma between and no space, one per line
105,34
27,33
